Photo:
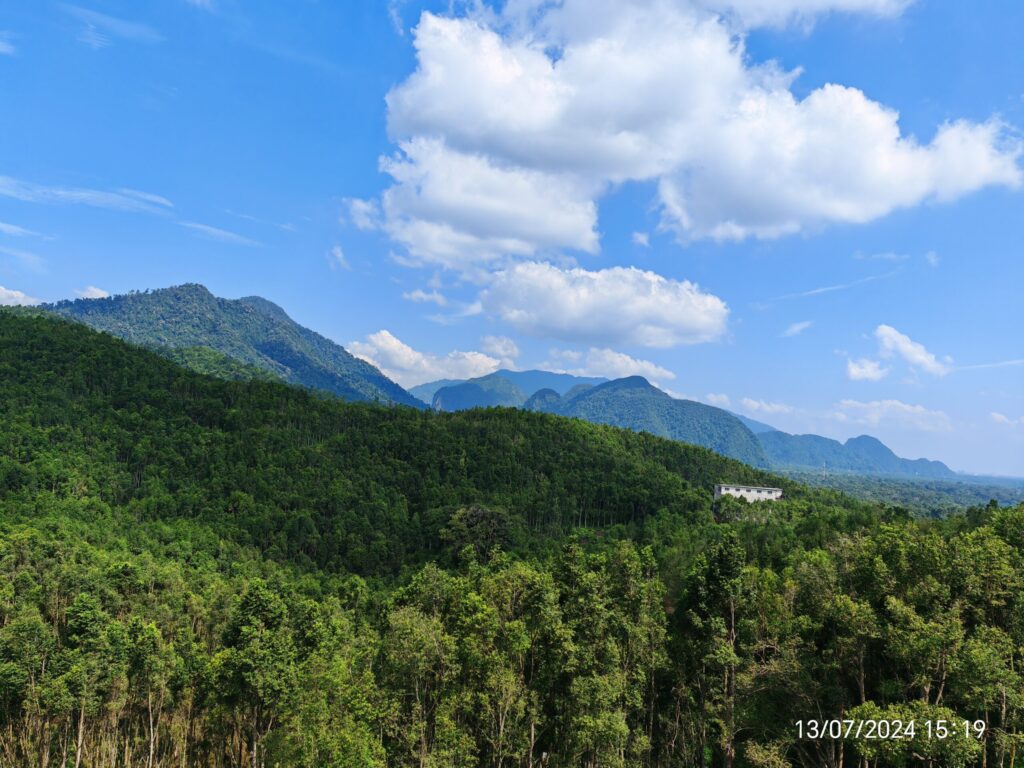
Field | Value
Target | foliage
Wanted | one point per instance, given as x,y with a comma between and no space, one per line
197,572
252,332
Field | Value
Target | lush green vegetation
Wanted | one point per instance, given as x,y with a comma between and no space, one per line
634,404
863,455
933,498
251,332
215,573
213,363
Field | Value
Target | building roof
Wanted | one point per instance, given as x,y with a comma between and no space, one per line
747,487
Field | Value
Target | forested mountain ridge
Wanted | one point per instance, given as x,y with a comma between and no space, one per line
859,455
374,482
252,331
179,560
631,403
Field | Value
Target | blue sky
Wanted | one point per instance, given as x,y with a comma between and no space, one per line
808,211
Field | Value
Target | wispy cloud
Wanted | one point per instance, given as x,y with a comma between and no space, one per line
797,328
247,217
14,230
1002,418
11,298
420,297
643,239
834,288
336,258
760,406
98,28
120,200
717,399
6,46
882,256
879,412
216,233
27,259
984,366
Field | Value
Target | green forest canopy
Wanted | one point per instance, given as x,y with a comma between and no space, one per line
206,572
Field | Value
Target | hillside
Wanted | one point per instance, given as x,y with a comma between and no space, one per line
632,403
374,484
251,331
202,572
635,404
859,455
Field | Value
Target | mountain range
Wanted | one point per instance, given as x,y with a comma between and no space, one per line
235,338
253,338
636,404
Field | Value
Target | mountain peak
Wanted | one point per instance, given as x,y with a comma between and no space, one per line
252,332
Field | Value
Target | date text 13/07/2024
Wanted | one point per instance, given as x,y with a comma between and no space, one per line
889,729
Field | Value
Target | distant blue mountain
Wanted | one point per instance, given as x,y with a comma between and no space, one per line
861,455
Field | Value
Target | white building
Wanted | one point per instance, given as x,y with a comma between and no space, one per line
748,492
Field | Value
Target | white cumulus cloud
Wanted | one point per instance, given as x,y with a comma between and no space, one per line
718,400
501,347
865,369
420,296
516,122
892,343
608,363
91,292
12,298
619,305
409,367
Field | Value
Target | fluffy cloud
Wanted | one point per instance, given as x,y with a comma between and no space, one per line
500,346
760,406
455,209
607,363
514,124
410,367
92,292
420,296
892,343
865,370
797,328
12,298
613,306
719,400
892,412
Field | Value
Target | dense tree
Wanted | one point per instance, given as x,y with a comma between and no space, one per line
204,573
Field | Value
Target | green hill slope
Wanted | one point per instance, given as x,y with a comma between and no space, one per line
201,572
634,404
860,455
343,485
252,331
